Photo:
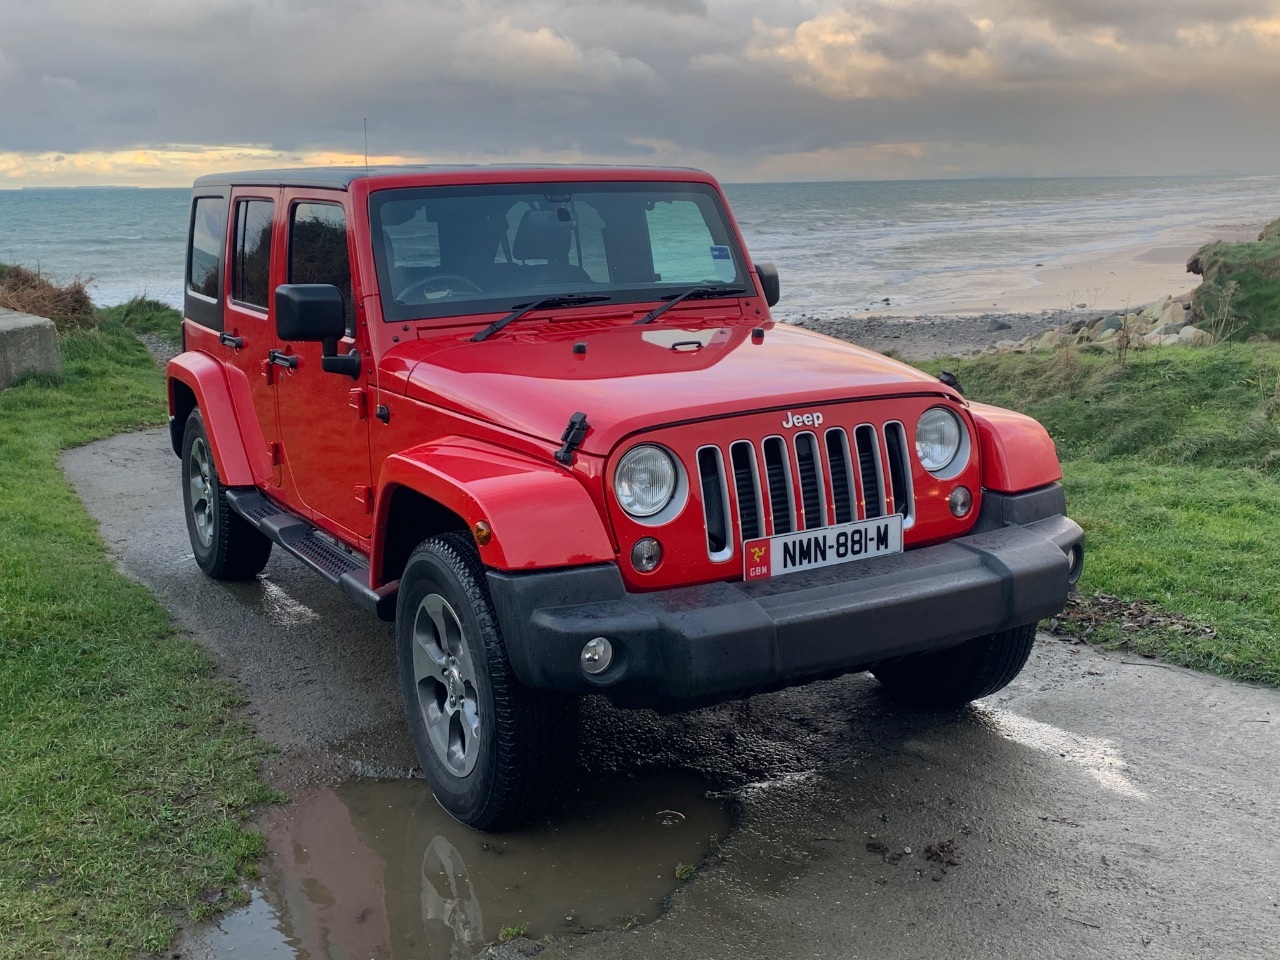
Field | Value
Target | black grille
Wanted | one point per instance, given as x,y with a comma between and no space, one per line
899,483
841,482
843,459
713,505
744,481
865,440
775,465
810,481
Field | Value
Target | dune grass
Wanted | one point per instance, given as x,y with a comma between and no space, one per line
1172,466
126,779
147,316
1241,290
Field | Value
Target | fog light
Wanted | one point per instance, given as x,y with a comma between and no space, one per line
596,655
1075,564
646,554
960,501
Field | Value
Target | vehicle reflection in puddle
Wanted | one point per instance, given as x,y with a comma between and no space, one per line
378,870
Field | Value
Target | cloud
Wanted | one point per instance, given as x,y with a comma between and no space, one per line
749,88
895,49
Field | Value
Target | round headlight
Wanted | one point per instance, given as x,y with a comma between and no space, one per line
938,437
645,480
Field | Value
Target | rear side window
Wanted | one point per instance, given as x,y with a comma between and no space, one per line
251,275
318,250
208,233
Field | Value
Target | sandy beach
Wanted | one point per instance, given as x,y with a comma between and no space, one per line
1036,299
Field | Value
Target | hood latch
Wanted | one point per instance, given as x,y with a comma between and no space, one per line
572,437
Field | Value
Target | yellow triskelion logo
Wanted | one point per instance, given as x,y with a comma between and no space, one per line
757,553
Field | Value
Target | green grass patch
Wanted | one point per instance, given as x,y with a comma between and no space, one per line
1172,466
144,315
1241,288
125,780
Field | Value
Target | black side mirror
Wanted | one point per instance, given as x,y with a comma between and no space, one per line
315,312
768,275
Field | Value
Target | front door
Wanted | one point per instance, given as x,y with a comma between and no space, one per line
324,417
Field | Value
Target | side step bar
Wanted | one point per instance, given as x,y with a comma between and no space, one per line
345,570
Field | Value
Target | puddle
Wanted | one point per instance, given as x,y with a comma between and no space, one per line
377,871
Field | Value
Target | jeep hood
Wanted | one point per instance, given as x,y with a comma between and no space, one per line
629,378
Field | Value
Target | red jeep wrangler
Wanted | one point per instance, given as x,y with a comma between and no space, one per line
540,418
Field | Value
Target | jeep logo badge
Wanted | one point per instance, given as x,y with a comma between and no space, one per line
802,420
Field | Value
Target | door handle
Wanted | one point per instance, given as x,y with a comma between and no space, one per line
282,359
230,340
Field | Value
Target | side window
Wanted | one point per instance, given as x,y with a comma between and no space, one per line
318,250
251,276
412,239
208,231
682,245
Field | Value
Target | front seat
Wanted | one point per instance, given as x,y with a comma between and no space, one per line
545,235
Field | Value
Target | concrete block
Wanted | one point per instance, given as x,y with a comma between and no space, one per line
27,345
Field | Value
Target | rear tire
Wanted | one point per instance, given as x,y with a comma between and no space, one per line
494,752
955,676
225,545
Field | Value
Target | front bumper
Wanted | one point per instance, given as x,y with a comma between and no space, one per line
675,649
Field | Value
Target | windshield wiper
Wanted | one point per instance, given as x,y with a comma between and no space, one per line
690,294
558,300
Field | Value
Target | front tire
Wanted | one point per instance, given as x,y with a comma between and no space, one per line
494,751
225,545
955,676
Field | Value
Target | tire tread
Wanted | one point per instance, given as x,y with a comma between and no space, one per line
239,551
951,678
534,731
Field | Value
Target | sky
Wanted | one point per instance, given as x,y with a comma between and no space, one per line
156,92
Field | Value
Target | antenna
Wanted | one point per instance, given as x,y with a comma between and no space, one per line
366,145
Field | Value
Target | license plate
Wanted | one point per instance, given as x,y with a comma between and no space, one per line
810,549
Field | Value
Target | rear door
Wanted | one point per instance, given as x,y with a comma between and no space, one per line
248,331
324,417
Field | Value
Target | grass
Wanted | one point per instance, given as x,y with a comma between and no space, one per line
1172,466
126,780
1241,288
512,931
29,291
146,316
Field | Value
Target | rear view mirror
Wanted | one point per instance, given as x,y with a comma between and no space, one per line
768,275
316,312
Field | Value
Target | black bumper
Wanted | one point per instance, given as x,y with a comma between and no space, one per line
690,646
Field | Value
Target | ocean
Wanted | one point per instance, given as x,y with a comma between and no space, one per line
841,247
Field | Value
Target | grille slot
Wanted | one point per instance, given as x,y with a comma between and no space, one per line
809,466
868,445
746,483
778,475
895,439
715,503
842,491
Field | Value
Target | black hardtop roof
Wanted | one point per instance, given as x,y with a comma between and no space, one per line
341,178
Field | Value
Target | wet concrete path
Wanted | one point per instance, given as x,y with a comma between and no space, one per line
1102,806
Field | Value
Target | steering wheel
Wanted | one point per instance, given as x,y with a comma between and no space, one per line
445,283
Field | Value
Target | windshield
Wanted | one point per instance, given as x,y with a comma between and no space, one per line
445,251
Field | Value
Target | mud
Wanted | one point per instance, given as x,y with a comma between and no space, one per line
1094,808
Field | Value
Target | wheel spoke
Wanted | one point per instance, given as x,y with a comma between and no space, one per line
445,680
200,488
